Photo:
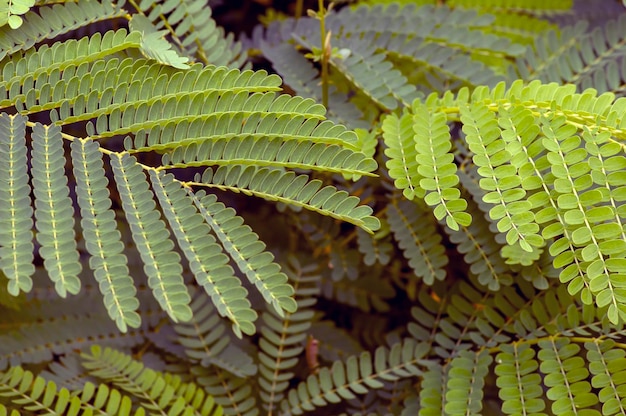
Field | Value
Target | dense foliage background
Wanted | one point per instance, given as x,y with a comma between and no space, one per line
239,207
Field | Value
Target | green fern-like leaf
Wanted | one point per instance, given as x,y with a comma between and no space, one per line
432,388
418,239
161,263
59,57
107,261
519,384
248,252
283,338
206,258
604,361
54,213
402,164
204,341
34,394
466,378
511,209
16,237
354,376
299,191
309,155
558,357
537,170
154,391
432,142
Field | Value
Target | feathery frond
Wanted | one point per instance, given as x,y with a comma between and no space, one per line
161,262
16,236
108,261
54,214
418,240
283,338
343,380
205,256
153,390
205,342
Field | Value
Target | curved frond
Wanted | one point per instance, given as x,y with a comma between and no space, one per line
206,258
54,213
266,151
161,263
216,114
58,57
34,394
16,236
248,252
154,45
299,191
154,391
104,244
355,376
283,338
398,135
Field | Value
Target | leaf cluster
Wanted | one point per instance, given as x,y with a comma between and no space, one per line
183,233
